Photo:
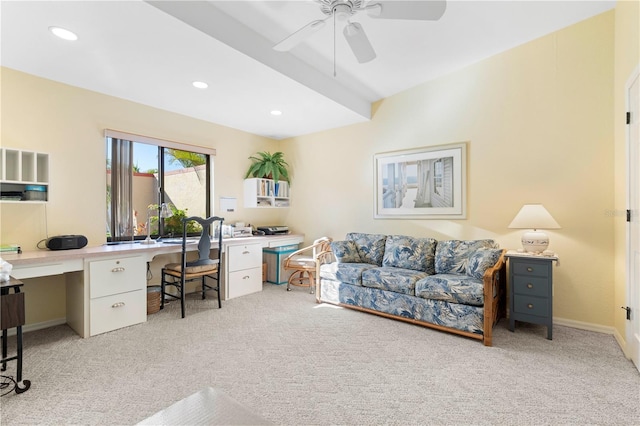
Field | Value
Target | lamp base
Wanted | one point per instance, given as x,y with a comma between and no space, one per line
535,241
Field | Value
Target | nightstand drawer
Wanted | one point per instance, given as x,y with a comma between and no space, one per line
530,268
531,305
531,286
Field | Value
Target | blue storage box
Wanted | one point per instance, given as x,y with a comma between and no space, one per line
274,258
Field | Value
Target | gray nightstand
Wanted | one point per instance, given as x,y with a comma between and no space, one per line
531,289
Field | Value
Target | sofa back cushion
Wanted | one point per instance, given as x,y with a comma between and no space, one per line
405,252
480,260
370,247
452,256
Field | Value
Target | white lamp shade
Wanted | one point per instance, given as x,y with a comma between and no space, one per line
534,216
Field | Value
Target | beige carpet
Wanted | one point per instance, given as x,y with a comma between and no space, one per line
295,362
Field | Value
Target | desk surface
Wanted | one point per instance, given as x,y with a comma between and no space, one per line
27,258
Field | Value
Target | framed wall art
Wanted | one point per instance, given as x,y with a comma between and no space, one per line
427,183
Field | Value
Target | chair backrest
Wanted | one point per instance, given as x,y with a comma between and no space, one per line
320,245
204,245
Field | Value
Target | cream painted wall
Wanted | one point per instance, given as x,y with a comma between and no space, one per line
627,59
539,128
537,119
68,123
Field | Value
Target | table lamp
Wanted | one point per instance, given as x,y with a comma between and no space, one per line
165,212
534,216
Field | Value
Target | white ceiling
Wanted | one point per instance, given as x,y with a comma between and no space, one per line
150,52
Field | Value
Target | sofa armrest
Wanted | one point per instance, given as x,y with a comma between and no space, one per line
494,282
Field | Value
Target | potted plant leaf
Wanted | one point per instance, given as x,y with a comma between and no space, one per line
270,166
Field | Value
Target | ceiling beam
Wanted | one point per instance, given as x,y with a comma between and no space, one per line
205,17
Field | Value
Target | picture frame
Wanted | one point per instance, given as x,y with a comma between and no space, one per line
421,183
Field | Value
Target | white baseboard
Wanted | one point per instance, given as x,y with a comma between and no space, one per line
584,325
597,328
622,343
38,326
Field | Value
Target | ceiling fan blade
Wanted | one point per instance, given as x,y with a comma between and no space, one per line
294,39
359,42
425,10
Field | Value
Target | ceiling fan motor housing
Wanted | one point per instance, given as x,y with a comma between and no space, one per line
343,9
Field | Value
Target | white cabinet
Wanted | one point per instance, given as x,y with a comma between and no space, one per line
266,193
117,293
106,294
243,264
24,175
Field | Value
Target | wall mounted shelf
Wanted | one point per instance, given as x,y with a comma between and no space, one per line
24,176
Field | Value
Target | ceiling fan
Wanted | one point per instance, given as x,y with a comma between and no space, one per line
344,10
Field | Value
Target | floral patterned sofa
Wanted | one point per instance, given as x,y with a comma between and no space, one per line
454,285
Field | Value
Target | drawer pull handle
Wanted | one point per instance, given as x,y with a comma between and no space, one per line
118,305
246,277
529,269
530,306
246,252
529,285
118,269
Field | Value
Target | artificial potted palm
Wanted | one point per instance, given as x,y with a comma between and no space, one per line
270,166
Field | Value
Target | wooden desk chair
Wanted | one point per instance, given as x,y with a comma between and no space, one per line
304,262
177,274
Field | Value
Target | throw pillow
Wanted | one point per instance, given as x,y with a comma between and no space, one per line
410,253
480,260
452,256
370,247
345,251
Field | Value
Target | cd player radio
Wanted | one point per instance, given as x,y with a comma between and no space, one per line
66,242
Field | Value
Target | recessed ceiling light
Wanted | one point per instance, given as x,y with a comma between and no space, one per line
276,112
63,33
200,84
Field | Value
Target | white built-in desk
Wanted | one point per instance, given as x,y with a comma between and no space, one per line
106,285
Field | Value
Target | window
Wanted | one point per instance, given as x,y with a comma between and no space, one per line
438,173
142,174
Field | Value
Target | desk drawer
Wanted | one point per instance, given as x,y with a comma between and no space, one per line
531,286
531,305
244,257
117,311
244,282
113,276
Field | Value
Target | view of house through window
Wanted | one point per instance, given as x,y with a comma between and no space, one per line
141,177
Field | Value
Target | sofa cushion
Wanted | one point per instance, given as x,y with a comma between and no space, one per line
452,256
350,273
398,280
481,260
345,251
370,247
410,253
451,288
